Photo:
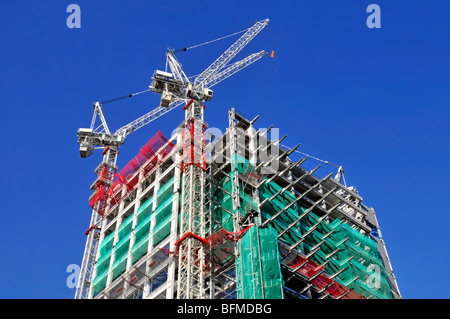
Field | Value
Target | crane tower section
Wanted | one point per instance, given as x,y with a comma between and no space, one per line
194,218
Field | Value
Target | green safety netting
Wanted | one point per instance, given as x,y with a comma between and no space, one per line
121,249
105,254
258,268
141,231
99,283
343,251
144,210
223,204
102,265
107,244
284,220
165,190
125,228
143,218
119,266
163,212
162,220
342,248
140,248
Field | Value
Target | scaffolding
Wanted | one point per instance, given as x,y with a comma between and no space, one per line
225,221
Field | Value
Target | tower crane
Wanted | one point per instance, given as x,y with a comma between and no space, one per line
175,89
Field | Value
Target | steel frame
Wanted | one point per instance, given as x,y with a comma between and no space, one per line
189,273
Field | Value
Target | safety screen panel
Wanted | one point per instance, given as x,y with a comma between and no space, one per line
258,269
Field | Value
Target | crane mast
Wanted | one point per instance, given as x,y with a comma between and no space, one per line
175,89
194,217
105,176
88,262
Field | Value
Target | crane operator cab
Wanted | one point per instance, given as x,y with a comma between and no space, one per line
165,84
207,94
169,87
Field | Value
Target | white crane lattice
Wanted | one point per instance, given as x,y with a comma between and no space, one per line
175,89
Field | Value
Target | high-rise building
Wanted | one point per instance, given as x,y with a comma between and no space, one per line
238,215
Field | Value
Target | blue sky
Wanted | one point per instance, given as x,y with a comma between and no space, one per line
372,100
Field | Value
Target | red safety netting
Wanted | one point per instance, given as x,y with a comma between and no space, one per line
153,152
99,199
221,245
218,247
322,281
148,151
193,145
106,176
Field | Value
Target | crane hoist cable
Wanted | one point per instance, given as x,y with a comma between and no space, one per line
208,42
315,158
340,171
123,97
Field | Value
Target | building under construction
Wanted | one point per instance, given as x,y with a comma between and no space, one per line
239,215
265,227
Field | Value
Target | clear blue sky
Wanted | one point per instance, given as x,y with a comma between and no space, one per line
373,100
